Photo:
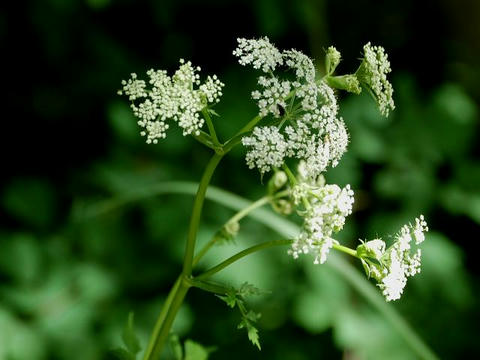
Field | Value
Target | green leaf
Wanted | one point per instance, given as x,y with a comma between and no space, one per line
252,332
230,299
196,351
287,229
247,289
253,316
129,337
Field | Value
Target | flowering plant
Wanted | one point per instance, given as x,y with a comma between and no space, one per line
296,135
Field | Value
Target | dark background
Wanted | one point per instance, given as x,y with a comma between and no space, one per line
66,286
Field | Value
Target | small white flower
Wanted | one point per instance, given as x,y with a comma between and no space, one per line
267,148
180,98
373,74
272,98
419,229
261,54
329,205
394,265
133,88
301,64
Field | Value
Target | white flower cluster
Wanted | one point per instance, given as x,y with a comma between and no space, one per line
171,98
260,53
327,206
373,74
309,129
391,267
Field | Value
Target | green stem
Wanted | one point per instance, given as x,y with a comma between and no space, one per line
196,213
210,287
250,124
236,218
346,250
230,144
161,318
211,128
291,177
164,331
204,139
240,255
179,290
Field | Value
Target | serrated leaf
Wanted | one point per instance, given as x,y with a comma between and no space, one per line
121,354
247,289
253,316
196,351
252,332
230,299
129,337
253,336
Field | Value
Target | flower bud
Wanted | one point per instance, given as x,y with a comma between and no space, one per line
332,59
348,83
276,182
282,206
372,249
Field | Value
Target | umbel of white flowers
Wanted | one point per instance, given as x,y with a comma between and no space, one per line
180,97
309,127
391,267
326,207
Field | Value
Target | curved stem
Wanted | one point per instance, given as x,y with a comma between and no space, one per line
237,217
204,139
346,250
240,255
291,177
210,287
161,318
211,128
250,124
235,140
168,321
179,290
196,213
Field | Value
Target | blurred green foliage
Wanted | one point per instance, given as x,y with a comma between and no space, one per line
66,286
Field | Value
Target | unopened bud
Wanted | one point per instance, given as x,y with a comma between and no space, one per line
348,83
332,59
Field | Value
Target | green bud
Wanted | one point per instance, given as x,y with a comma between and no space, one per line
332,59
228,232
277,181
282,206
348,83
232,228
373,249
